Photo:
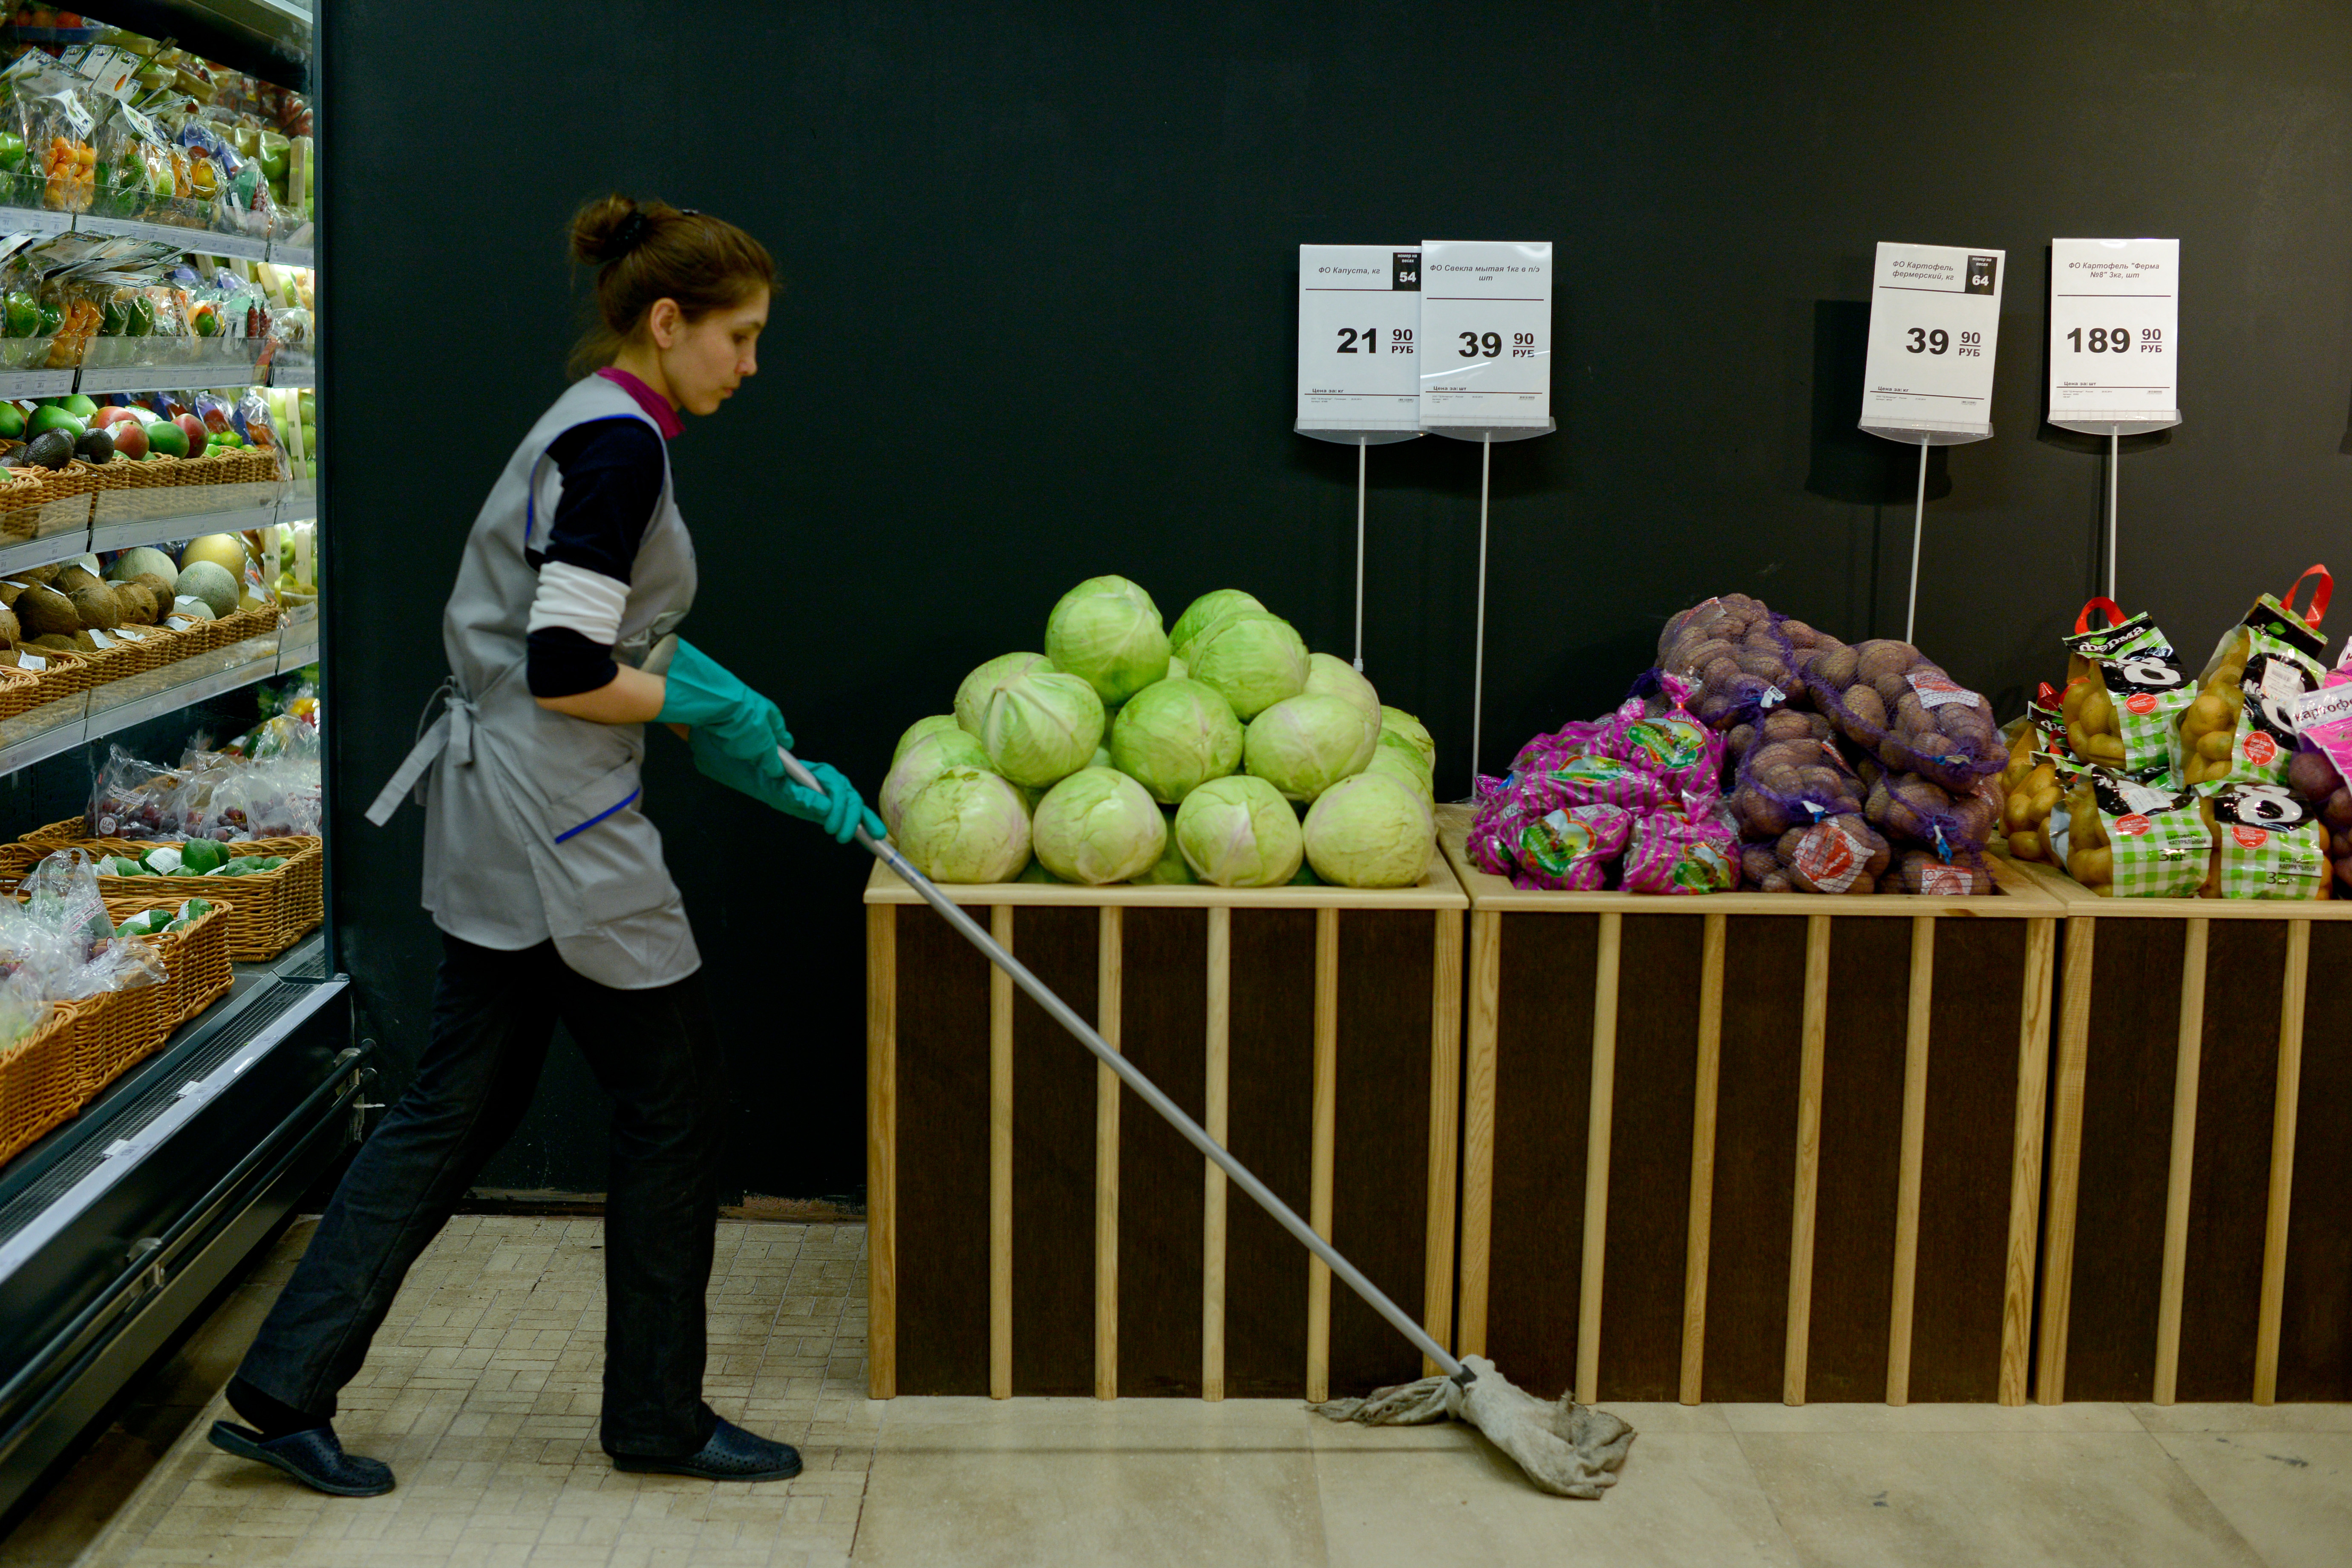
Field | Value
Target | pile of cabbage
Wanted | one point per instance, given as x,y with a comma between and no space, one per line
1217,749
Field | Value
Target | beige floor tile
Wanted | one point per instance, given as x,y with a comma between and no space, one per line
2246,1419
972,1482
1443,1495
1842,1418
2022,1500
2288,1493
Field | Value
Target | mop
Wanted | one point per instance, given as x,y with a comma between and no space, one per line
1566,1449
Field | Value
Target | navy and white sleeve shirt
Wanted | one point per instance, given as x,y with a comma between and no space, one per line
612,471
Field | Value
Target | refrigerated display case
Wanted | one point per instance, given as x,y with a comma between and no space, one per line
157,285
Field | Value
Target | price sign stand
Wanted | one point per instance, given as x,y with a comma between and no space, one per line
1935,323
1358,317
1485,375
2114,346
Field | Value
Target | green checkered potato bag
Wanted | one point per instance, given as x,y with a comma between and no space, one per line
2267,845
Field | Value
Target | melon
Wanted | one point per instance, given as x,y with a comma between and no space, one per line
194,608
211,582
142,558
225,551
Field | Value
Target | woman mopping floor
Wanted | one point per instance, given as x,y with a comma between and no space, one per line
547,884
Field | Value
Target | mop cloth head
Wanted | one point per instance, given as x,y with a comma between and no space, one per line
1567,1449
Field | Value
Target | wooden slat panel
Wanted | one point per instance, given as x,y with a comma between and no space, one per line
1444,1129
943,1159
2237,1091
1480,1048
1804,1217
2069,1066
2315,1299
1382,1171
1000,1162
2186,1062
1163,1011
1919,1017
1600,1105
881,1153
1969,1160
1109,961
1699,1230
2037,1003
1054,1132
1649,1156
1320,1152
1216,1191
1869,982
1272,1130
2133,1021
1755,1150
2280,1207
1542,1078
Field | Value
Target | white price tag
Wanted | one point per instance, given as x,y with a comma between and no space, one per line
1486,335
100,639
1359,310
2115,335
30,660
1934,319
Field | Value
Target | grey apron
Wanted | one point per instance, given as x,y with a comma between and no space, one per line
533,821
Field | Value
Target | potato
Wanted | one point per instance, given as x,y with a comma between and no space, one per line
1835,669
1864,704
2092,868
9,630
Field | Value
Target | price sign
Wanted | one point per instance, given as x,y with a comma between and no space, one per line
1934,319
1359,314
2115,335
1485,325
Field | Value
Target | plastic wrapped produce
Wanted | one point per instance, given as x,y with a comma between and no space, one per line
2266,844
2125,693
1657,731
2136,840
1899,706
1678,852
1733,648
2031,793
1540,837
2241,728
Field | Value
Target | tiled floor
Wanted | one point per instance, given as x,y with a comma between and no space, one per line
482,1395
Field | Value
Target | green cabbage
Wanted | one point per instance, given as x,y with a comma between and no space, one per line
937,723
1238,832
1107,630
1042,727
1370,831
928,757
1305,745
1402,764
1170,868
1097,827
972,696
1174,737
1253,658
1327,675
1204,612
965,825
1035,871
1176,670
1409,729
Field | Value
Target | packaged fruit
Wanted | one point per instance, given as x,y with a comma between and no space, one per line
2125,691
2132,840
2241,726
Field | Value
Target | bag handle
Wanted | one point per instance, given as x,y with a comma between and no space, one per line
2319,595
2115,614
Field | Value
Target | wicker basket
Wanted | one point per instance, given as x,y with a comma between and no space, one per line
64,675
195,961
272,910
40,1087
48,502
109,1033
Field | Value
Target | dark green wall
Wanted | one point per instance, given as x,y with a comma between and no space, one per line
1039,326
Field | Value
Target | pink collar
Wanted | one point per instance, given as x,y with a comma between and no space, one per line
656,405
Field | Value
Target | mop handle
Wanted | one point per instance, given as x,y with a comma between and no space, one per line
1129,1074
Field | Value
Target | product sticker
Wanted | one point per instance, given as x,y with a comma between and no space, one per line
181,623
1935,691
1830,857
163,860
100,638
30,660
1945,881
129,634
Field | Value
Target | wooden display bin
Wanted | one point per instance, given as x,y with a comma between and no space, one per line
1035,1231
1783,1146
2198,1244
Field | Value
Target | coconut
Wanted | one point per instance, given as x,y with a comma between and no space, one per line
9,630
72,578
134,604
54,641
160,584
44,611
94,606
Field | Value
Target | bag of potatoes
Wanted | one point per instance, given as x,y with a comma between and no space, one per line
2132,840
2315,778
1733,648
2030,787
1841,854
2240,728
2266,844
2125,694
1891,701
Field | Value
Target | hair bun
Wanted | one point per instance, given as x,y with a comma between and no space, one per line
609,228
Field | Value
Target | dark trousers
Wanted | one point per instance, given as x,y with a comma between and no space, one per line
658,1055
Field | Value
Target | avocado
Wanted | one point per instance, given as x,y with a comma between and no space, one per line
51,449
95,447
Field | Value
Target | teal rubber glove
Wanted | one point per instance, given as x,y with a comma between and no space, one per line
837,808
727,717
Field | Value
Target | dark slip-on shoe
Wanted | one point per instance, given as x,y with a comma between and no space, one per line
732,1454
313,1458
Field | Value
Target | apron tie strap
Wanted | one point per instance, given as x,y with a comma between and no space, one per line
452,730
